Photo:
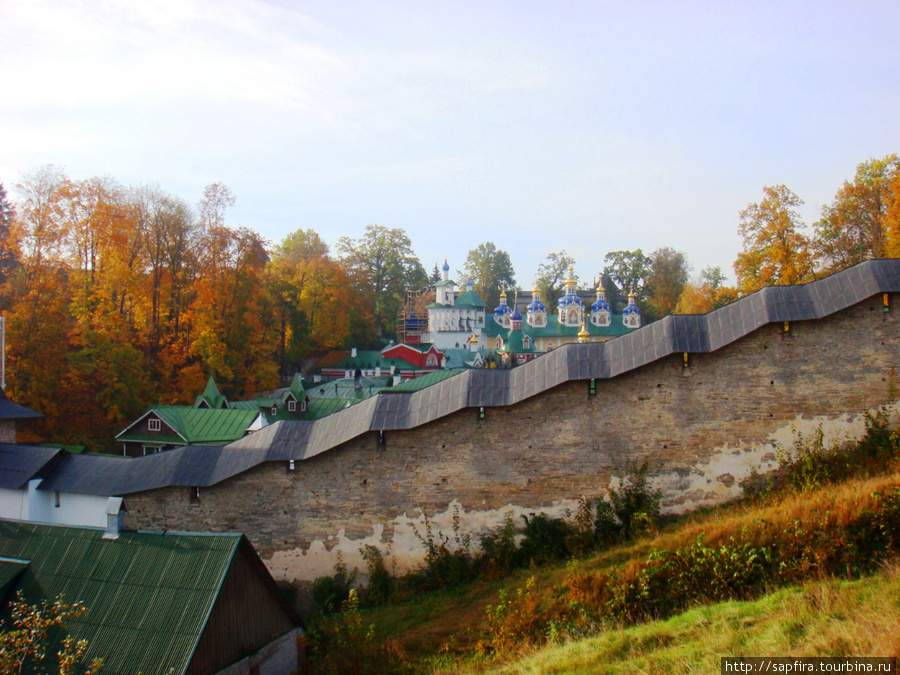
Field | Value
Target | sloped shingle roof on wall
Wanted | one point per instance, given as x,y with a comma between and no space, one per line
303,439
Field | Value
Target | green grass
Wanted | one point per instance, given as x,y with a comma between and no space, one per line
821,618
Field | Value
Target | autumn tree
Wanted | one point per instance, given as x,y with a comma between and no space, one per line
8,260
892,219
217,199
855,226
490,271
314,302
24,645
383,268
667,279
551,275
775,252
709,292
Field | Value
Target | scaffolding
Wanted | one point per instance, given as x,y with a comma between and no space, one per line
412,318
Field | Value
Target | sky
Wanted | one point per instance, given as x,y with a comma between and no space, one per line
584,126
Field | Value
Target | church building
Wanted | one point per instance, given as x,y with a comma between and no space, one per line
462,321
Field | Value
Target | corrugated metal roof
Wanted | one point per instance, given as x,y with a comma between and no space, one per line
302,439
148,595
10,569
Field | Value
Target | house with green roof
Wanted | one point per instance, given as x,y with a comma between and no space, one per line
171,426
157,602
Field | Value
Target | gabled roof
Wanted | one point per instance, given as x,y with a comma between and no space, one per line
211,396
148,595
20,463
296,388
197,425
14,411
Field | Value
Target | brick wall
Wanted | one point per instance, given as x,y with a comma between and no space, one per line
7,431
702,429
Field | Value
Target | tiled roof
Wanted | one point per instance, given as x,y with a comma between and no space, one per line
148,595
303,439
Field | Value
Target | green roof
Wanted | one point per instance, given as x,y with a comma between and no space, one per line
555,329
200,425
9,571
419,383
469,300
439,284
211,395
148,595
515,344
296,388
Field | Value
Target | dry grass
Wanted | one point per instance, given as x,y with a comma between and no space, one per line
830,617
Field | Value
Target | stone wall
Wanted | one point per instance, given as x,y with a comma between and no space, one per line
702,428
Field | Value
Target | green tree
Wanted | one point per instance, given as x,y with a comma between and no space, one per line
775,252
490,270
384,268
853,228
551,276
630,272
668,276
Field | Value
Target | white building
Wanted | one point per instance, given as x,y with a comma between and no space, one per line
453,318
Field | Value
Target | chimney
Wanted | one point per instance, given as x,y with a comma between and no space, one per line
352,352
115,518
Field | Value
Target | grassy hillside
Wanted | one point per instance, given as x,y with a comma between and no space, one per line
831,617
803,567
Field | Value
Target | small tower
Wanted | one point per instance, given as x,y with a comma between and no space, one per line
502,312
536,312
571,307
583,335
631,315
601,314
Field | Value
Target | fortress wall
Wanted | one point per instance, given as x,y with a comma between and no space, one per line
702,429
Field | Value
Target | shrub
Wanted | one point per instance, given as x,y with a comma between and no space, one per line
380,581
634,504
513,622
330,592
499,554
544,540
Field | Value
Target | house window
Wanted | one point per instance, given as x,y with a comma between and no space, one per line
154,425
56,498
194,496
274,410
302,406
292,405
